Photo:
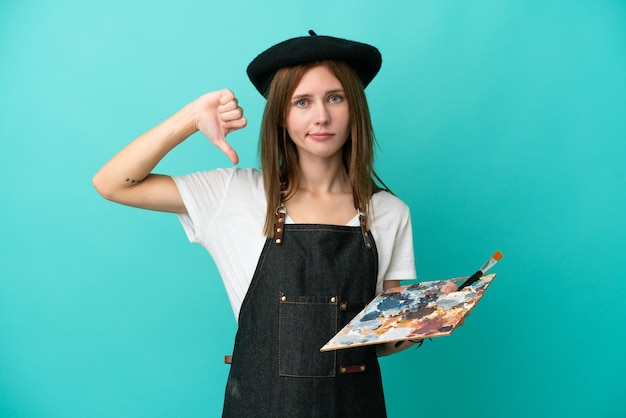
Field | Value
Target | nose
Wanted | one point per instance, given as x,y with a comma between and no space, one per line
322,116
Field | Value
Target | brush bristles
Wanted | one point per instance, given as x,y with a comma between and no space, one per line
497,255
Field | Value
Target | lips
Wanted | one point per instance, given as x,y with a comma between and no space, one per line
321,136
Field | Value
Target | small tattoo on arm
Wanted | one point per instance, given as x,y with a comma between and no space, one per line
133,181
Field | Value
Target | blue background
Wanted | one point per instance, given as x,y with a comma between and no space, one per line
501,124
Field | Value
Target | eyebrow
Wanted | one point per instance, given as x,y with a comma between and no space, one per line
307,95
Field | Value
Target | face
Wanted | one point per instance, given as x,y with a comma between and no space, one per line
318,119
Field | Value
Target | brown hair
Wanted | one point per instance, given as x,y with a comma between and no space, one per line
278,153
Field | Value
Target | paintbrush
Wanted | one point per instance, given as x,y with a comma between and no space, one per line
490,263
472,279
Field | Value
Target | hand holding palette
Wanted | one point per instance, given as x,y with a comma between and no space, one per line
414,312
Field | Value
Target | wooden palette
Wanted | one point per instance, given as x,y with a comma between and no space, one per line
410,312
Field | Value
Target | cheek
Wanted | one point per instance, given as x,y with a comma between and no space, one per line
289,119
294,123
345,118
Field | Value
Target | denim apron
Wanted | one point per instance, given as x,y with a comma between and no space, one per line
307,285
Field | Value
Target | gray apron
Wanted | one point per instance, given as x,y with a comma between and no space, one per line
304,290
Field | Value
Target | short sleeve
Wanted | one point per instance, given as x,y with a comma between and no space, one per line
393,232
226,213
203,193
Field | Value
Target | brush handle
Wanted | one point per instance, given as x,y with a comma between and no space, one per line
472,279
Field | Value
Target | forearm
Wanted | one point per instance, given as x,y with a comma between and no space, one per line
135,162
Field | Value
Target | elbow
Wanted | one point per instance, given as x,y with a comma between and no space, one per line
101,187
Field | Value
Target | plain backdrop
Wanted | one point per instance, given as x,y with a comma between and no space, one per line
502,124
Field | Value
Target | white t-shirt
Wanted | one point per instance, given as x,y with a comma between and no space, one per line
226,214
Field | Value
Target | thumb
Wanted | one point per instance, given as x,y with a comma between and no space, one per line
228,150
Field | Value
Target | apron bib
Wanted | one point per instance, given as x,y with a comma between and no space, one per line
304,290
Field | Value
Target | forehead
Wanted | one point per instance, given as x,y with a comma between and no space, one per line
318,79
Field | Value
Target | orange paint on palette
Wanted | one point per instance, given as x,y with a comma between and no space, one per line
410,312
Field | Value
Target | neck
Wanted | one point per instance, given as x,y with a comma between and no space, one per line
324,176
324,195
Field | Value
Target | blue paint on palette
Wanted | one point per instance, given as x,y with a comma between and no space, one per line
410,312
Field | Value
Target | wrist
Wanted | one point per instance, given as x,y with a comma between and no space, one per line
188,119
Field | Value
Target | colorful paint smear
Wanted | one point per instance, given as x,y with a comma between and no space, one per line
410,312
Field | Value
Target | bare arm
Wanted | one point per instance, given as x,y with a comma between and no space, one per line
127,177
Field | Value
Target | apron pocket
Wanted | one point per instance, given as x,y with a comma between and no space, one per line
305,324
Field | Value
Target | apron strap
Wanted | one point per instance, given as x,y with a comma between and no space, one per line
281,213
279,224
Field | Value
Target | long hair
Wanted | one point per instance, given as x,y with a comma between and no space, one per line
279,155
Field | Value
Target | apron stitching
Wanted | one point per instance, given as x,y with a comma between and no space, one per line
258,288
280,316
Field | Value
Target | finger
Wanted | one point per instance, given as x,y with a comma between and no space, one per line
232,115
226,96
233,125
449,287
229,106
229,151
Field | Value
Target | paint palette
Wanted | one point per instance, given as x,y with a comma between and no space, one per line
410,312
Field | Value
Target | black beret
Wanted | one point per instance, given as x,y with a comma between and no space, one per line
364,59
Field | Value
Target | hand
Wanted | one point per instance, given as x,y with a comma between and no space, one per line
449,287
218,114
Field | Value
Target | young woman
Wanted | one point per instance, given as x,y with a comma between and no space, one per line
302,244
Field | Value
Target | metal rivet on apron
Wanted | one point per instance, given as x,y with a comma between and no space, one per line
280,270
281,212
366,236
357,368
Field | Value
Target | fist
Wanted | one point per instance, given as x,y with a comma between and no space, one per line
218,114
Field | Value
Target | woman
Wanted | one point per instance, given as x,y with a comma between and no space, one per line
302,244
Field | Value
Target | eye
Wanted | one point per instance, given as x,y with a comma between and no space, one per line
335,98
301,102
